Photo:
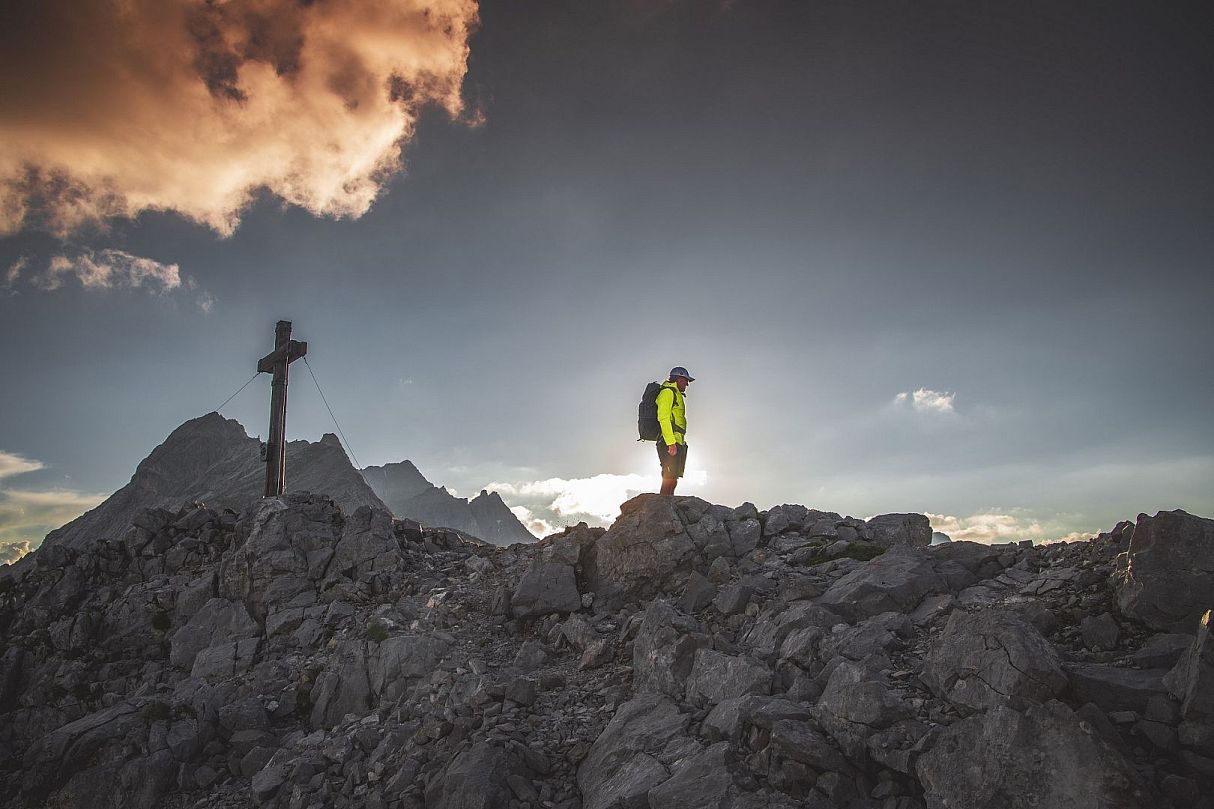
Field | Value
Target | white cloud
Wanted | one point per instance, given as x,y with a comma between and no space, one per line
110,269
536,525
926,401
12,551
28,516
556,502
988,527
12,464
14,271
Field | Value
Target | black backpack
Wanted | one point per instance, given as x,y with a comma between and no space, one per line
647,414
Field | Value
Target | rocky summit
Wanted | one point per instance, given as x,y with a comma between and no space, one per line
304,655
212,460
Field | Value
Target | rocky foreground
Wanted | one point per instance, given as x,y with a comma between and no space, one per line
690,656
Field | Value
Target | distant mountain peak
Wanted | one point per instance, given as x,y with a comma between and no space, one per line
213,460
408,494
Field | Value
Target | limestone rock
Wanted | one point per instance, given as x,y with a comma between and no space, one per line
1100,632
624,763
889,530
985,761
641,550
1166,578
475,779
1192,682
716,676
665,650
546,587
897,580
218,620
984,659
1113,688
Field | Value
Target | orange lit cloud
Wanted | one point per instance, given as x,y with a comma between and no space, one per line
113,107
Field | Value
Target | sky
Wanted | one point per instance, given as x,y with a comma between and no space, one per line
950,258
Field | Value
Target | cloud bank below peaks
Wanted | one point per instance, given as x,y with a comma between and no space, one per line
545,506
113,107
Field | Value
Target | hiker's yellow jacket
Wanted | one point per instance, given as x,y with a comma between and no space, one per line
672,414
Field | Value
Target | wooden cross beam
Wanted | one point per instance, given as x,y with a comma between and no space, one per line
285,352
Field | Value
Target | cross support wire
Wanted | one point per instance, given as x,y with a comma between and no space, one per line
285,352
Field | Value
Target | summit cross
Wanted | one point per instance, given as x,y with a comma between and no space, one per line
285,352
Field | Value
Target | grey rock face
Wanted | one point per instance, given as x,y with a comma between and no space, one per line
550,584
854,696
626,761
302,655
730,718
1100,632
219,621
546,587
476,779
985,659
1068,767
1192,682
716,676
1166,579
889,530
656,536
665,650
701,781
897,580
1113,688
1162,651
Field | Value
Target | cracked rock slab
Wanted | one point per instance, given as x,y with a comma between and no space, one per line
988,658
1043,757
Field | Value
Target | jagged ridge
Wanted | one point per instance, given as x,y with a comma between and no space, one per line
691,655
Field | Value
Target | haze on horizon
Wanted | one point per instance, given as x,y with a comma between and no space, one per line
949,259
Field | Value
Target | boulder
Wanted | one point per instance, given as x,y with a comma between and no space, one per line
225,660
700,781
1192,682
1100,632
546,587
645,545
1042,757
1162,651
890,530
218,620
625,761
984,659
730,717
478,778
775,624
801,742
855,704
897,580
698,593
716,676
288,544
1166,578
367,546
343,687
1113,688
665,650
401,659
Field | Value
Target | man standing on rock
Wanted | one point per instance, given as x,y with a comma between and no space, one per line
672,418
